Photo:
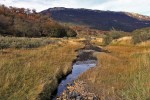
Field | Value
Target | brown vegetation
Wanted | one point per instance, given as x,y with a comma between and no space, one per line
31,73
27,23
23,42
122,74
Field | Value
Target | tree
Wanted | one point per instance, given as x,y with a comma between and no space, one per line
4,24
34,11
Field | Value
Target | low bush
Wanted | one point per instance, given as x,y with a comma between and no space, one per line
70,33
116,34
141,35
107,40
113,34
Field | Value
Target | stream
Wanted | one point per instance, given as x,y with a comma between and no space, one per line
76,71
85,60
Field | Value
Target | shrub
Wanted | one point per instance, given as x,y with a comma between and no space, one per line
107,40
71,33
141,35
116,34
59,32
113,34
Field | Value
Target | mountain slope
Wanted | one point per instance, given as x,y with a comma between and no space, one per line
103,20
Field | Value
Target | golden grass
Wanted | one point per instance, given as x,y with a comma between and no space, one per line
122,74
127,40
144,44
24,74
97,41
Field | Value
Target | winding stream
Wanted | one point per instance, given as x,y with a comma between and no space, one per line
84,61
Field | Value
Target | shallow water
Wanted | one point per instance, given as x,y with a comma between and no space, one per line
78,68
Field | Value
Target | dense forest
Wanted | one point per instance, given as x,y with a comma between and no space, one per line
23,22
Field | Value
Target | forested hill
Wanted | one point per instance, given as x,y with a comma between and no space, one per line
28,23
103,20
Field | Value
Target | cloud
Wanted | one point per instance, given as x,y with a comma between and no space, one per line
32,4
44,4
138,6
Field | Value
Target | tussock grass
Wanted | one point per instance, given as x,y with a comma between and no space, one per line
22,42
29,74
122,74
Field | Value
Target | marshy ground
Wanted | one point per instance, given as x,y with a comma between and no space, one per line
33,73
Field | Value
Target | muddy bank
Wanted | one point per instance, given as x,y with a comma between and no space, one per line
46,94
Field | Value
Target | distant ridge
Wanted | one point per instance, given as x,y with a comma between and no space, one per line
98,19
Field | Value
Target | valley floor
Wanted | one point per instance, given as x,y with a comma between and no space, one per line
122,73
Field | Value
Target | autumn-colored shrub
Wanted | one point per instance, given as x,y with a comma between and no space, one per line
22,22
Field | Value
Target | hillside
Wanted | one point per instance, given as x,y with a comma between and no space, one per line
23,22
103,20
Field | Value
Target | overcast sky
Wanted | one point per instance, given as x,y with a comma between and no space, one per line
137,6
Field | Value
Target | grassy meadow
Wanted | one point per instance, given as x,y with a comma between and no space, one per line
122,74
24,42
29,74
31,67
